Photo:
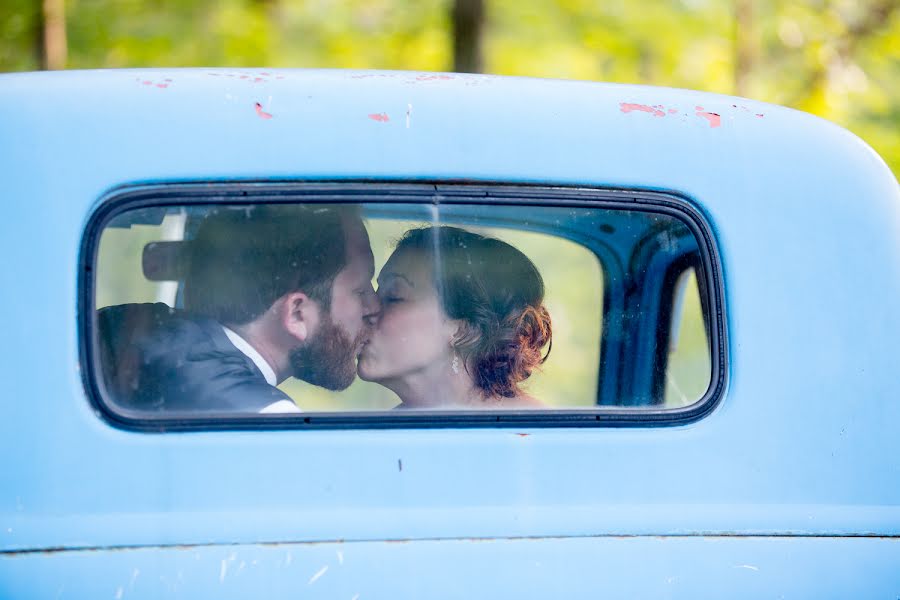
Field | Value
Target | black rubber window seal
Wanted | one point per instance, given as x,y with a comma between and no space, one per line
128,198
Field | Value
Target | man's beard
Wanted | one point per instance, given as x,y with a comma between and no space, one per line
328,359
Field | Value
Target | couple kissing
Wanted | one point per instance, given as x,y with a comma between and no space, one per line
278,291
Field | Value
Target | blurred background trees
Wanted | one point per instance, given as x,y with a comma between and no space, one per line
839,59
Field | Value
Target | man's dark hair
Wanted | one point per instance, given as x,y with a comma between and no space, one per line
244,258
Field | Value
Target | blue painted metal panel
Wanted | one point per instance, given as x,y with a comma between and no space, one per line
805,441
690,568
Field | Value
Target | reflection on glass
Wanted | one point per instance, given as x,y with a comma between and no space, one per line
688,372
277,308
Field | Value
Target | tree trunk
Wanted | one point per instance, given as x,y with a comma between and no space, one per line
54,48
468,27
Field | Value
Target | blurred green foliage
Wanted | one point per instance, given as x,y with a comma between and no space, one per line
839,59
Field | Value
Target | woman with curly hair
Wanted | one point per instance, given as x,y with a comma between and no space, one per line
462,322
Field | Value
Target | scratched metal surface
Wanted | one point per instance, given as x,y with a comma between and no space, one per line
808,224
689,568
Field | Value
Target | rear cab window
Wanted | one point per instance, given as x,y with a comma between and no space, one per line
299,305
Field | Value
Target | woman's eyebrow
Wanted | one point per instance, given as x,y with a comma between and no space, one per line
383,278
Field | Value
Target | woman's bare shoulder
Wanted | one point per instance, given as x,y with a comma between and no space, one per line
526,401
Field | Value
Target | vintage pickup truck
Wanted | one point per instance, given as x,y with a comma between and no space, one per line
719,414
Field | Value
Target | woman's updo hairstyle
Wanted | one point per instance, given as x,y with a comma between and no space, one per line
498,293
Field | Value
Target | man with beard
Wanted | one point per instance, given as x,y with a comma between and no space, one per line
271,292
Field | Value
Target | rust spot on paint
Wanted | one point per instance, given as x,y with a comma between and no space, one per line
147,82
673,111
262,114
523,434
760,115
258,79
627,107
162,85
380,117
714,119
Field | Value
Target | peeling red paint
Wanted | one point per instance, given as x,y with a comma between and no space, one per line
150,83
714,119
262,114
658,110
381,117
627,107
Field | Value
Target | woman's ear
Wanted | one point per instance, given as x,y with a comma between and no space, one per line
298,315
457,331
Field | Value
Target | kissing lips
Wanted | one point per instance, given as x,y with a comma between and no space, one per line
363,347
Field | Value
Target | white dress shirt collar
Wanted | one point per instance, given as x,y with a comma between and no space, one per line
251,353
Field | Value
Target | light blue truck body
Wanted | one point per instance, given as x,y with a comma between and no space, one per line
789,488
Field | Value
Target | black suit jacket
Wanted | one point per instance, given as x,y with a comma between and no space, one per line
155,358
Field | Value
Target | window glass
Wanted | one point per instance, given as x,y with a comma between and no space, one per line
573,282
119,262
236,310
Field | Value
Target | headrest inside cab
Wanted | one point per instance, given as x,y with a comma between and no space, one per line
165,261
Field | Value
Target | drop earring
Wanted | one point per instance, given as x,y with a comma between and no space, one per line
454,364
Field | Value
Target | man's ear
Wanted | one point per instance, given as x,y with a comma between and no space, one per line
298,315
